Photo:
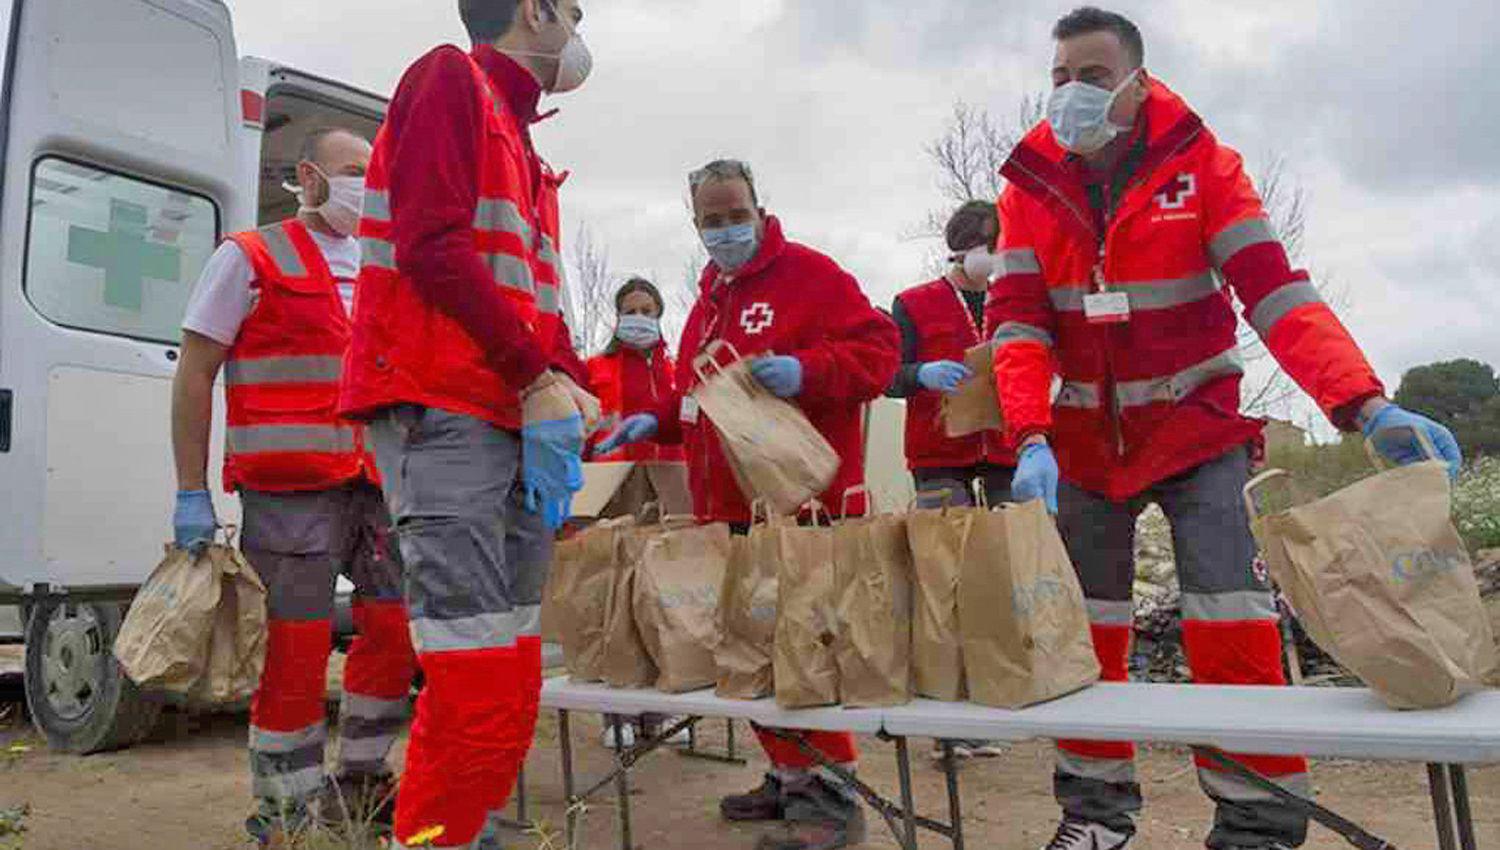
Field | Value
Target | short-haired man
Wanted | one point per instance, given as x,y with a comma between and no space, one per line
1122,215
816,341
272,310
460,360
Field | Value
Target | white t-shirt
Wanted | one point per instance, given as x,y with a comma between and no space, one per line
223,297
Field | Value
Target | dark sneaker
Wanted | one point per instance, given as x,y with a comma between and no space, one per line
1082,835
824,835
764,803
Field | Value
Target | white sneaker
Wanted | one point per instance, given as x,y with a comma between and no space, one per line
1082,835
626,739
683,736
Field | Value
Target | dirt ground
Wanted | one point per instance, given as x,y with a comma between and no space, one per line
187,787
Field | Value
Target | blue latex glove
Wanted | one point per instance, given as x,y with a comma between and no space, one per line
635,429
193,522
552,467
943,376
1036,476
1392,433
780,374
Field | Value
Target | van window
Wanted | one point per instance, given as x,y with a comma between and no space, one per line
114,254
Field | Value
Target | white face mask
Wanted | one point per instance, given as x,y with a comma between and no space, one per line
345,204
642,332
980,264
574,61
1079,115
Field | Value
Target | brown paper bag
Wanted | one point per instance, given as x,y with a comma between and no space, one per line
576,600
1022,614
975,407
197,627
774,451
938,539
624,661
806,670
677,584
872,643
1381,580
746,616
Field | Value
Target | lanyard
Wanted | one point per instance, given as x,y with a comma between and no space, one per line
963,306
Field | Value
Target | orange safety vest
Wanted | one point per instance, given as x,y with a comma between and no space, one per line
408,351
282,374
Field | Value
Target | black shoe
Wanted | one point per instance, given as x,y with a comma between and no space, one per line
764,803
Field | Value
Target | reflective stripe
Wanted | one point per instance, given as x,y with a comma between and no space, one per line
548,300
484,631
365,750
1232,240
283,252
1104,612
1230,787
265,741
1069,298
1079,396
253,439
371,708
1020,332
548,253
501,215
511,272
295,785
1274,307
1181,385
1019,261
313,369
377,205
377,254
1236,606
1116,771
1166,294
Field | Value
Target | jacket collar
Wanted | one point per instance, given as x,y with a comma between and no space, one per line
517,85
772,244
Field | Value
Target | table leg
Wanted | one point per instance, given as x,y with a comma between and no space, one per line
622,792
1442,808
1462,812
521,797
566,740
729,733
908,797
955,806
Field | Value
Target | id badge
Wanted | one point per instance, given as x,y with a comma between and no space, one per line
1106,308
689,415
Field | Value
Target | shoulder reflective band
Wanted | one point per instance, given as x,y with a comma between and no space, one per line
1237,237
1011,332
283,252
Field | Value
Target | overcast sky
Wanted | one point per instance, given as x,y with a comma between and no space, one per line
1385,110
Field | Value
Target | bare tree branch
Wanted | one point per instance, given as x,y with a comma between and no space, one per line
591,289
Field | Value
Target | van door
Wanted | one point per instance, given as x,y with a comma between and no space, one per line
121,136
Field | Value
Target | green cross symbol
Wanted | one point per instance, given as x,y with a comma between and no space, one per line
125,255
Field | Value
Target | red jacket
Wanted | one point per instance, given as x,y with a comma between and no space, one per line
628,382
945,331
795,301
1147,399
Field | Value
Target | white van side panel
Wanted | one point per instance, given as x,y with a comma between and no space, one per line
121,145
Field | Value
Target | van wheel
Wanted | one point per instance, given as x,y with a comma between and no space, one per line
79,697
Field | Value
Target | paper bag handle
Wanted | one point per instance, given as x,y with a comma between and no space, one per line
709,359
858,489
1423,441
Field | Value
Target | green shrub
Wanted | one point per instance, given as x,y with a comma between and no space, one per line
1476,504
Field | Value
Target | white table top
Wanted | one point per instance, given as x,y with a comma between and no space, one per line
1324,722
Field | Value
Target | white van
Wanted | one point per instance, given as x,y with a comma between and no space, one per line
133,138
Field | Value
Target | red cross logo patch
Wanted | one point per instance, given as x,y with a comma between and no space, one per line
757,318
1175,196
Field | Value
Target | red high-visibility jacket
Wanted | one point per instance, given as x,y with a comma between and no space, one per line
789,300
946,331
1160,394
628,382
281,376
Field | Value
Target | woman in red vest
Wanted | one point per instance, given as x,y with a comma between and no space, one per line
634,374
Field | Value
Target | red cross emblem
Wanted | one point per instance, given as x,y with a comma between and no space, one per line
1175,196
757,318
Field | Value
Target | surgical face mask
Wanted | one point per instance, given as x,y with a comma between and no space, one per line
345,203
574,61
642,332
733,246
1079,115
980,264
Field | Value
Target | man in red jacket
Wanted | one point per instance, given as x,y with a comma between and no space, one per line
1125,230
460,361
817,342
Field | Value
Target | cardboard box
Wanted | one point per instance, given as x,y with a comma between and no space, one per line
621,489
